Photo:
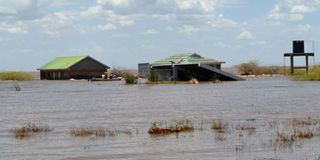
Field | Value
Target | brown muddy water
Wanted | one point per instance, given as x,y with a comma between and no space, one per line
266,104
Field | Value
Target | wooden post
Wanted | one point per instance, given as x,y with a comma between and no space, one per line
291,65
307,63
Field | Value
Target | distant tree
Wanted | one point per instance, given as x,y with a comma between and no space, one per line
117,71
248,68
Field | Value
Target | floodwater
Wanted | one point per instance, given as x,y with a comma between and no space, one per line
64,105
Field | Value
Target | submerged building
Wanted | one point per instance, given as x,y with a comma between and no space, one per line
183,67
76,67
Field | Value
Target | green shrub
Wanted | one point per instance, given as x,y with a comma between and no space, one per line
312,75
130,78
20,76
248,68
153,76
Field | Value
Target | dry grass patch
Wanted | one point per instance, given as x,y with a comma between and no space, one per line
285,138
305,121
250,129
304,134
98,132
219,125
82,132
28,130
179,126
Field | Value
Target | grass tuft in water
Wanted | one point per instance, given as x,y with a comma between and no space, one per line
219,125
179,126
98,132
285,138
250,129
28,130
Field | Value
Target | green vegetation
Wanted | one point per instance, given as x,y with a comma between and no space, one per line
252,68
312,75
20,76
179,126
248,68
130,78
28,130
153,76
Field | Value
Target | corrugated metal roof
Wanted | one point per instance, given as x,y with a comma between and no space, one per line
62,63
185,59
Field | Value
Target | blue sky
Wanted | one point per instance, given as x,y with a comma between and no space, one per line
126,32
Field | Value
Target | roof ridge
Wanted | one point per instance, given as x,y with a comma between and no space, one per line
72,56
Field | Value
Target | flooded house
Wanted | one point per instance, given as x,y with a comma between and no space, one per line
76,67
183,67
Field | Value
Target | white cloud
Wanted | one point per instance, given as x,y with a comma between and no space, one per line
277,13
151,31
245,35
304,28
220,44
107,27
123,20
15,28
92,11
54,23
115,3
4,10
128,12
188,29
301,9
168,28
293,10
13,7
220,22
259,43
201,5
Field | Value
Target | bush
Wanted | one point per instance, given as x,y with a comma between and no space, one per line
20,76
130,78
268,70
248,68
153,76
312,75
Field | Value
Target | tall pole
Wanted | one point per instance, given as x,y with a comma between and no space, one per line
291,64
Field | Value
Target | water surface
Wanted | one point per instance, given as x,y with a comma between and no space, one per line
71,104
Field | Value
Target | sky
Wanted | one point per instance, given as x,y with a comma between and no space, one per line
123,33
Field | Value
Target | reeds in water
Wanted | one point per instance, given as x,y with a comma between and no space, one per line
179,126
28,130
98,132
219,125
